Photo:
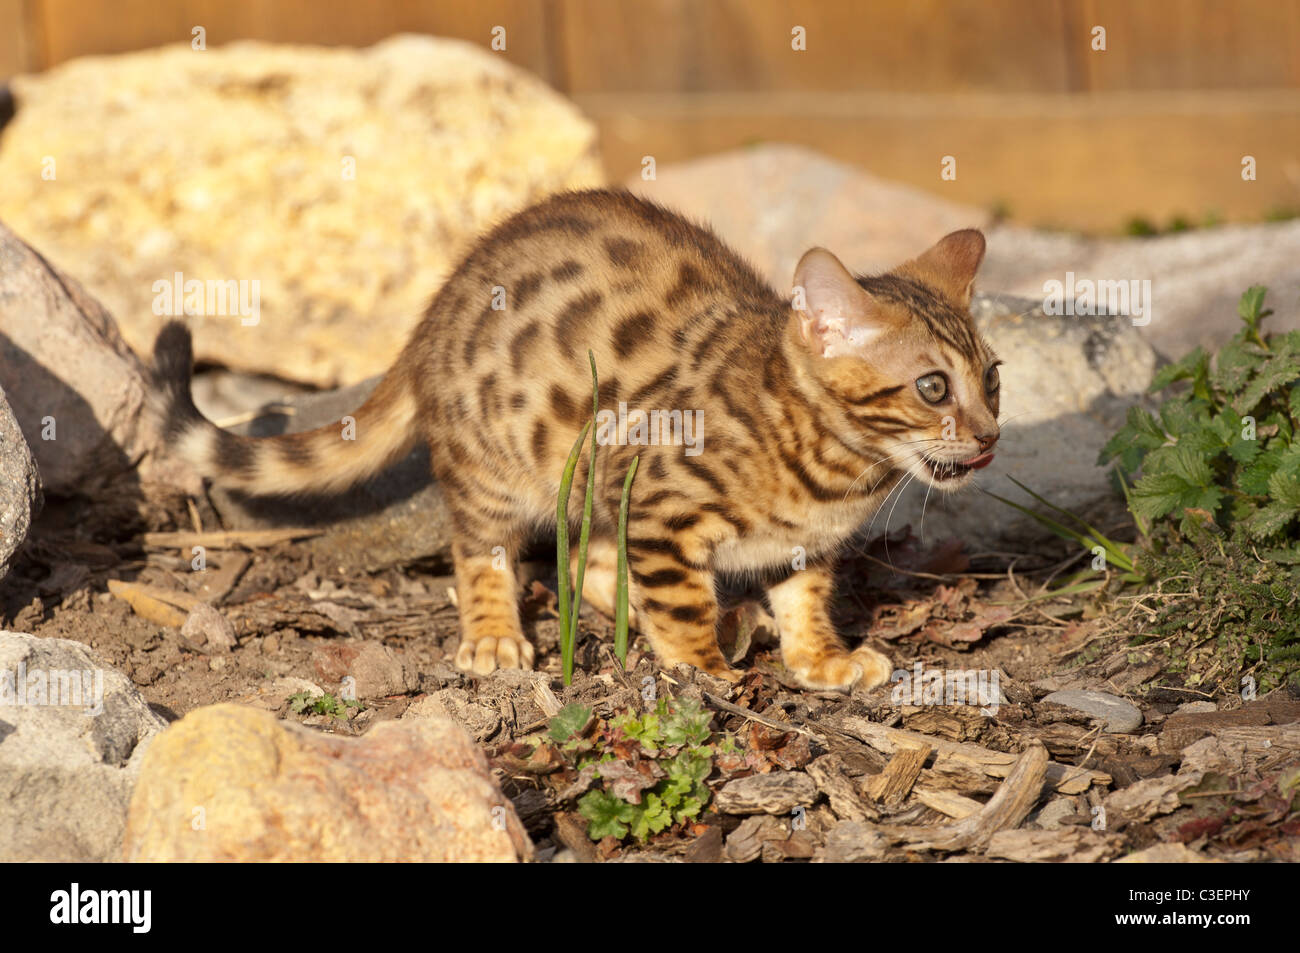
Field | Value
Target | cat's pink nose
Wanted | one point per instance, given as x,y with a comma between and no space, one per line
987,440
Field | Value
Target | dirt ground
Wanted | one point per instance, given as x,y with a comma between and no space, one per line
301,627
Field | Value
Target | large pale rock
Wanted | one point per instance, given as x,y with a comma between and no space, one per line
75,387
235,164
20,486
229,783
1196,277
66,770
774,202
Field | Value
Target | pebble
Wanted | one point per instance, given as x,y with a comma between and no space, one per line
1120,716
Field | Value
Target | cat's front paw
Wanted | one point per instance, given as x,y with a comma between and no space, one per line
863,668
487,653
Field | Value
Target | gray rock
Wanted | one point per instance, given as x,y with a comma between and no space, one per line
76,389
1049,817
66,771
1196,276
20,487
1119,715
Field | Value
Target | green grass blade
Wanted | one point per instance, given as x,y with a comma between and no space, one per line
1065,532
562,555
584,535
620,584
1089,534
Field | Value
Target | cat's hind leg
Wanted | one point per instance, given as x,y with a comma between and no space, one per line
491,636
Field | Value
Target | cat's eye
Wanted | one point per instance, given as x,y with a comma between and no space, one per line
991,379
933,387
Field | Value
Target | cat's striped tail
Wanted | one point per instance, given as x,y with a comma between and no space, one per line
321,461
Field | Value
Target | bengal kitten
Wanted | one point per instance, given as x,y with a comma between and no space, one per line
804,414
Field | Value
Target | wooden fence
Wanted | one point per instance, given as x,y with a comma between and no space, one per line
1045,126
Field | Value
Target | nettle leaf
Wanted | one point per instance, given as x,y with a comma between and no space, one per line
1185,416
1278,372
1251,307
1235,364
1254,478
687,723
1269,520
1140,434
1227,428
1184,479
1284,487
569,721
607,816
1195,366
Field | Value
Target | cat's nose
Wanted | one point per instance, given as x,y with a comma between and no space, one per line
987,440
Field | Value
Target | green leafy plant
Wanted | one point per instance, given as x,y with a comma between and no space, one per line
1222,447
305,703
650,767
569,602
1216,507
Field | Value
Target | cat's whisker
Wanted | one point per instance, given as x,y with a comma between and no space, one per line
890,458
928,487
911,477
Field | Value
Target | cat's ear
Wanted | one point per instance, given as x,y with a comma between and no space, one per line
836,316
951,264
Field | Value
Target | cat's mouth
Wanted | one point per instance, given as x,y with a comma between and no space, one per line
953,470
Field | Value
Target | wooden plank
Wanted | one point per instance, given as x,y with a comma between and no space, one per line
1186,44
16,34
918,46
1088,162
82,27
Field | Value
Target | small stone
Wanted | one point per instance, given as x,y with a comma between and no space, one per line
1119,715
455,703
375,667
1052,813
206,626
1195,708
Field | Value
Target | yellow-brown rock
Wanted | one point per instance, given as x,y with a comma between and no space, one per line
229,783
347,183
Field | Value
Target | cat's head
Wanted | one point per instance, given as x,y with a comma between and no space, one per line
901,356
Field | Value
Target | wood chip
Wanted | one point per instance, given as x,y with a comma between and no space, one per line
1080,845
947,802
169,607
777,793
891,786
828,774
998,764
1006,810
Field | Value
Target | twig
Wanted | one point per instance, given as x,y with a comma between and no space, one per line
754,716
